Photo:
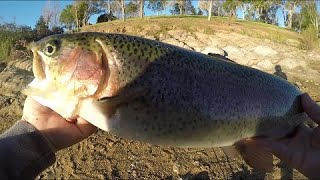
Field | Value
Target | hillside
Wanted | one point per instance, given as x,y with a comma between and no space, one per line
105,156
254,44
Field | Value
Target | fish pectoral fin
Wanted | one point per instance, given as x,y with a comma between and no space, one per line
122,96
109,104
255,155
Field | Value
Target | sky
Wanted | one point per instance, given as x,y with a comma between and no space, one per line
28,12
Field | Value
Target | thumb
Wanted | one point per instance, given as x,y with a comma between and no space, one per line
85,127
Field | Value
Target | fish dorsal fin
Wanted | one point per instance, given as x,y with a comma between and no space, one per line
255,155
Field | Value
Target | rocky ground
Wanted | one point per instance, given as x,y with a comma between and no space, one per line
104,156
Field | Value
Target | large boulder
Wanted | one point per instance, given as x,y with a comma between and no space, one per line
264,51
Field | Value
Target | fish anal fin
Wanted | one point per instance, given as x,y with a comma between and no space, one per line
255,155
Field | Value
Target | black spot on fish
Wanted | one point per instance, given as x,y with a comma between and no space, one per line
135,50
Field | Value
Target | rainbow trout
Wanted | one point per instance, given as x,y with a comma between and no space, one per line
154,92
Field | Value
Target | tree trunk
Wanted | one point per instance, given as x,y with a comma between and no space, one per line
109,8
77,20
289,20
209,10
141,9
122,9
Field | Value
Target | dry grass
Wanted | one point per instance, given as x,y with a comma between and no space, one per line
154,26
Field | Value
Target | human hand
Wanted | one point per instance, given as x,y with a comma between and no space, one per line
302,151
60,133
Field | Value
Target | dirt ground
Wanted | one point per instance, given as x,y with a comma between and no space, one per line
105,156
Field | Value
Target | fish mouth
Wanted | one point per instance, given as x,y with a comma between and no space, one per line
38,65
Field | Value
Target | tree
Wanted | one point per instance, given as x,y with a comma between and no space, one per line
67,18
244,6
141,9
189,8
310,15
230,6
288,9
200,12
207,6
122,5
131,10
51,13
296,22
175,9
91,7
105,18
41,28
14,37
82,10
157,5
182,6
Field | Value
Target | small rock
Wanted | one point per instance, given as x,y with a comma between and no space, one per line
306,81
299,84
317,84
175,168
196,163
265,64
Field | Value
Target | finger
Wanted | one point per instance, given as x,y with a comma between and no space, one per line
311,107
85,127
278,148
315,138
32,104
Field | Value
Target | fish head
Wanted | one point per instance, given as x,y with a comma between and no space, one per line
69,69
69,63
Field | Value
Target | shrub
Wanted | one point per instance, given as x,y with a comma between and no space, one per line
309,38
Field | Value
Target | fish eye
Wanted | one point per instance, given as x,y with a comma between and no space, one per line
51,47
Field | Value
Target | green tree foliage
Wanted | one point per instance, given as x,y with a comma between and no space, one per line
175,9
230,6
132,10
14,37
309,37
105,18
288,10
190,8
183,7
41,28
309,15
77,15
296,22
200,12
156,5
67,18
